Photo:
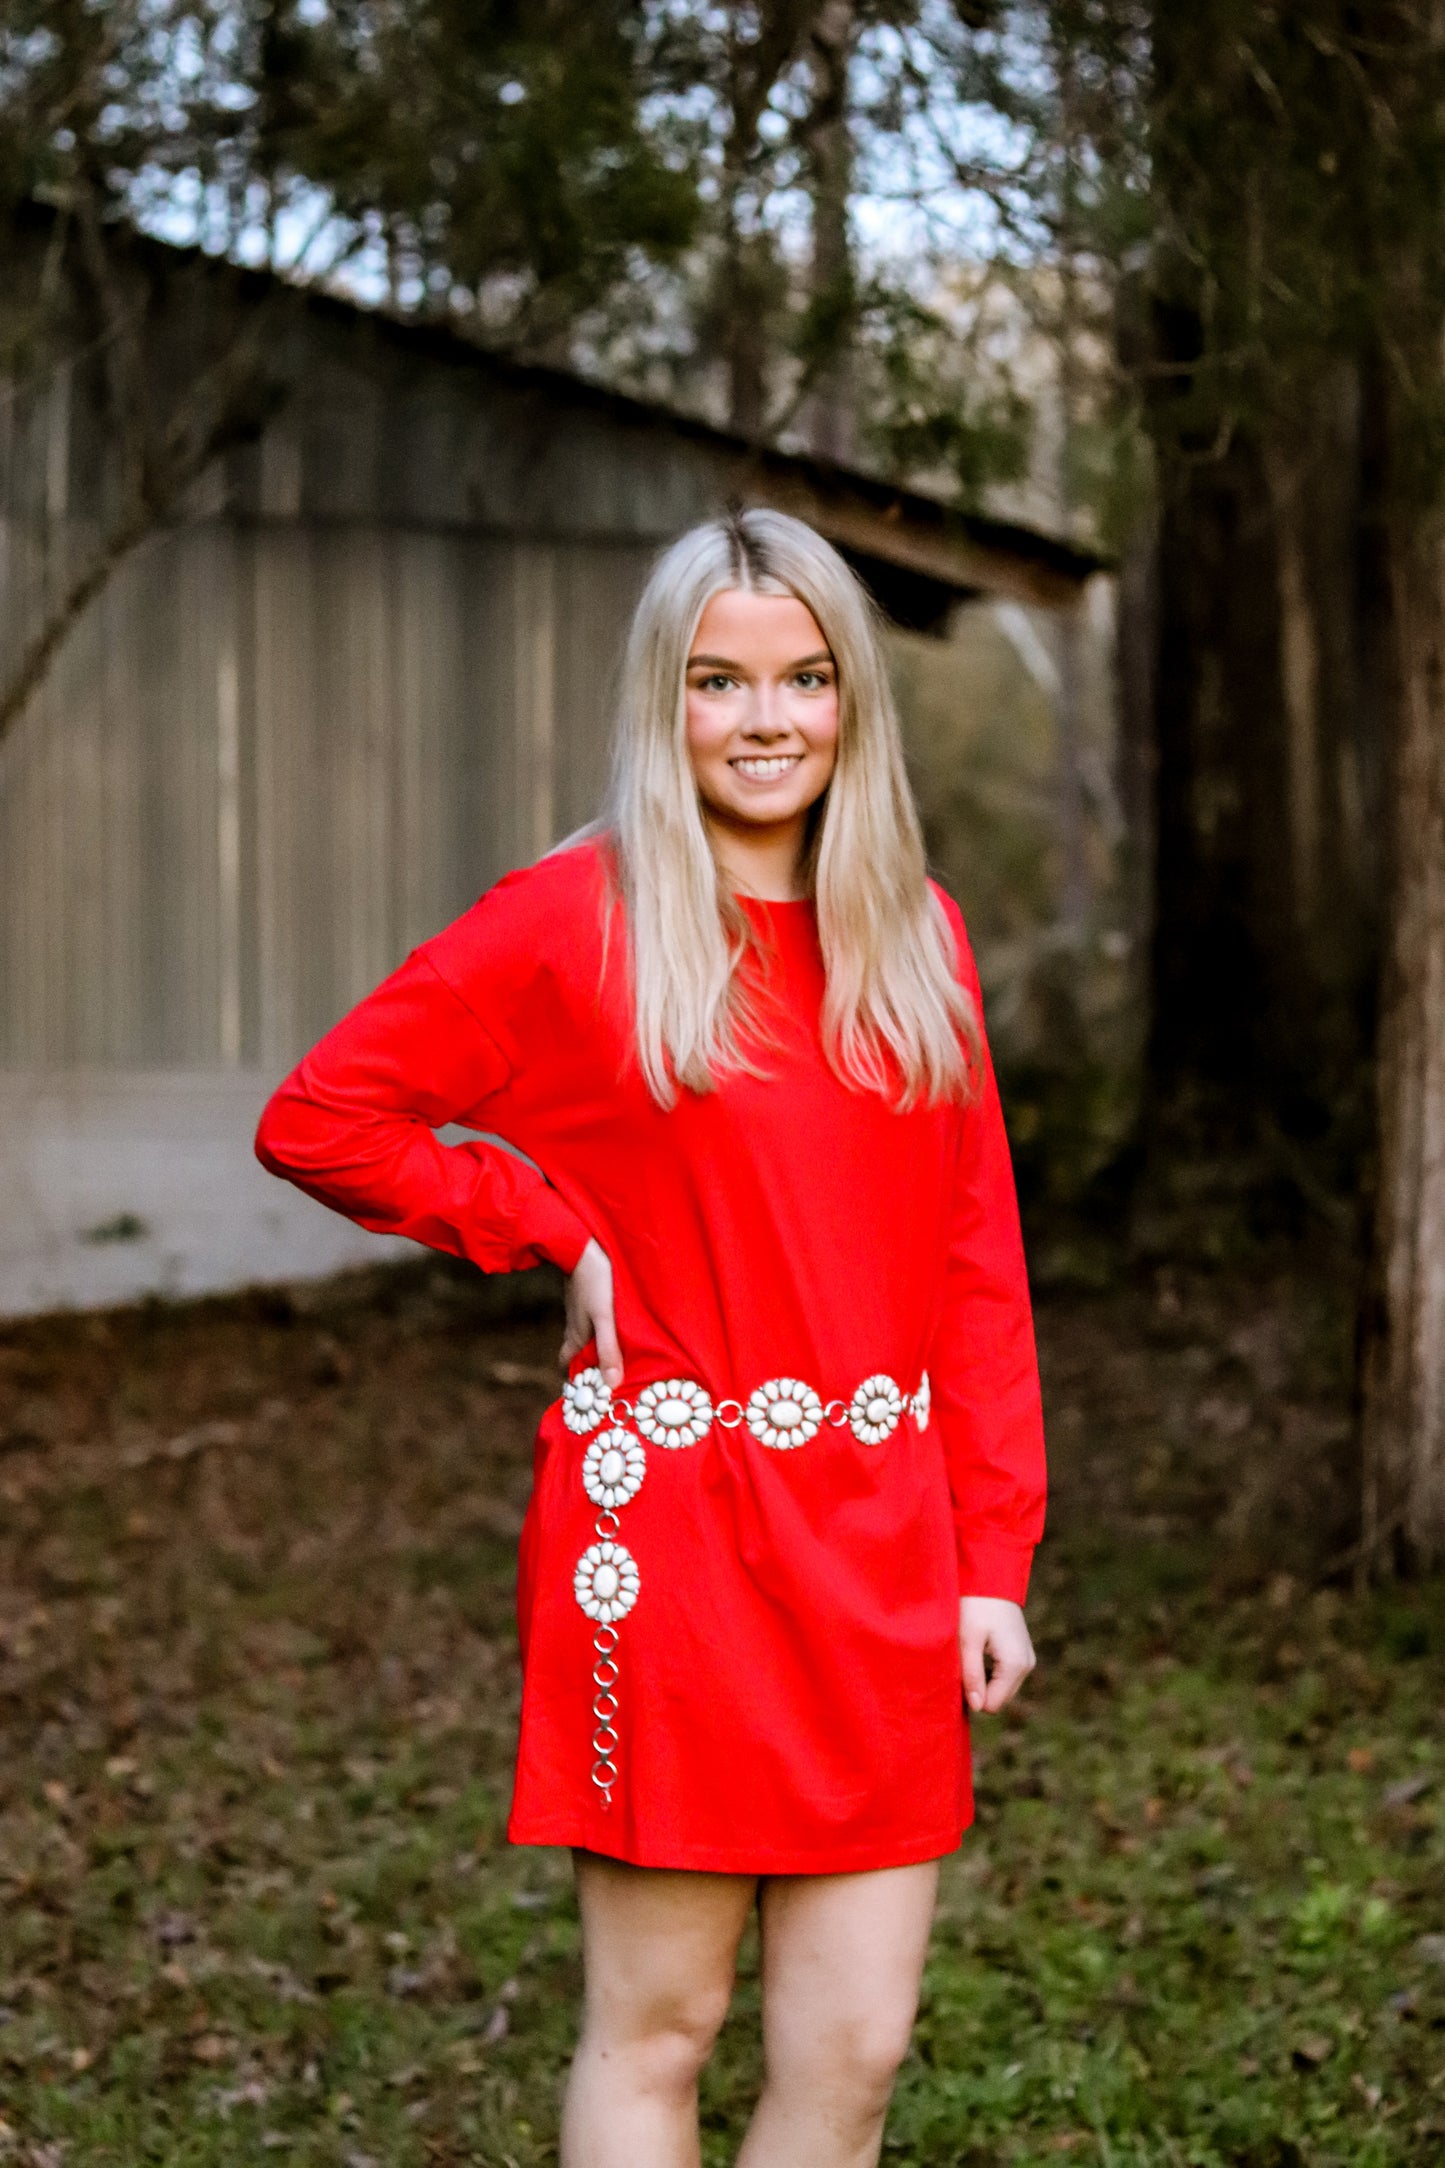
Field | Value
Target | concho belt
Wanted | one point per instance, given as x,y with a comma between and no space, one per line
676,1413
782,1414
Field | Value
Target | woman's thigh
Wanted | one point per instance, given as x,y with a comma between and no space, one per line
842,1958
658,1947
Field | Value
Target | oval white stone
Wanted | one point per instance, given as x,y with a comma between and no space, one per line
605,1582
674,1413
878,1411
786,1413
614,1466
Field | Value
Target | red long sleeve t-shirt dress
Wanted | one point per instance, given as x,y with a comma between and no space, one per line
739,1581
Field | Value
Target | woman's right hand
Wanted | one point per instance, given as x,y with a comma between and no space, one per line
589,1313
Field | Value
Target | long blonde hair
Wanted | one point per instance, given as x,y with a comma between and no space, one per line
894,1014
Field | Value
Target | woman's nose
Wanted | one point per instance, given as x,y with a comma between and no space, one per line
765,717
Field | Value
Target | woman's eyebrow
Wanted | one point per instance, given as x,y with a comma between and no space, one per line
722,662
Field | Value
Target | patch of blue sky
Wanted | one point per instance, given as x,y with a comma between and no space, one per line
939,178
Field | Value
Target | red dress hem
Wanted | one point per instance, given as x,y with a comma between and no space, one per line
715,1859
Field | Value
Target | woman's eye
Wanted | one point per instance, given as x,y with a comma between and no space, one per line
812,681
716,683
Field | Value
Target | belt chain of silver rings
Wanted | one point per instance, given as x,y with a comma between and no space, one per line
676,1413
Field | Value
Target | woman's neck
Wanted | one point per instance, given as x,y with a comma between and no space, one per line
763,862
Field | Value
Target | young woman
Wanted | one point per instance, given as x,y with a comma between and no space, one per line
784,1511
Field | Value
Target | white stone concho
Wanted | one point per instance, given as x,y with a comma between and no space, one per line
586,1400
922,1402
674,1413
875,1410
784,1413
612,1469
606,1582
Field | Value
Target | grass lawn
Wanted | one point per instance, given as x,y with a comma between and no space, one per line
257,1687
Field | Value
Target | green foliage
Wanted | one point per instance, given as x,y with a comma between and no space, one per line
1296,185
455,149
1110,464
259,1702
634,188
506,144
936,403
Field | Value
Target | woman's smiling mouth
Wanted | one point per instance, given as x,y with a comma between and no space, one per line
764,767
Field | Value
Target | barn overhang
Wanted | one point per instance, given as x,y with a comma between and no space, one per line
414,425
394,424
920,556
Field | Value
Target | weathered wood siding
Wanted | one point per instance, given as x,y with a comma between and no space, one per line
274,757
371,672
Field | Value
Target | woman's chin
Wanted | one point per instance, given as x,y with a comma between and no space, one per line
761,805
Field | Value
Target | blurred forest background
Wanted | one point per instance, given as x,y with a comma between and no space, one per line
1167,281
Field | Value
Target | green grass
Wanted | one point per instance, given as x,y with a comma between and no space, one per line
258,1682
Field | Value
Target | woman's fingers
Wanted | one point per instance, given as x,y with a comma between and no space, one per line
590,1314
1009,1673
975,1676
579,1321
609,1354
992,1632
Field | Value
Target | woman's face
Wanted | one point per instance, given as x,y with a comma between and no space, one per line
762,710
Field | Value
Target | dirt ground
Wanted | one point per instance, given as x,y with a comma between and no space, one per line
258,1683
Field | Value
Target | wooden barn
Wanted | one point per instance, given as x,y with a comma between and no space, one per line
294,735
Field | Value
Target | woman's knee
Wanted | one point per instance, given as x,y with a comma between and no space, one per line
658,1955
852,2056
663,2046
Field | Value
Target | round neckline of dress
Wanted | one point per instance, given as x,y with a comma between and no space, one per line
775,903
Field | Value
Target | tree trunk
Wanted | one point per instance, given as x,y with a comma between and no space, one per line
745,310
1266,817
1403,1355
29,670
760,45
1135,652
830,412
1265,677
1222,905
164,425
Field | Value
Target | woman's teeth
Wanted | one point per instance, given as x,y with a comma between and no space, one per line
763,769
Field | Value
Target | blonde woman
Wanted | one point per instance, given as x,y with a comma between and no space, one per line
785,1509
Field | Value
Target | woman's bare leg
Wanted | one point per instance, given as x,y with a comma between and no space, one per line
658,1954
842,1958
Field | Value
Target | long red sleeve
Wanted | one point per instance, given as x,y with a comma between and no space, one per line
983,1366
786,1607
353,1124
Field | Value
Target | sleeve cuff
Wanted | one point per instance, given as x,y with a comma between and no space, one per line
553,1229
989,1566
